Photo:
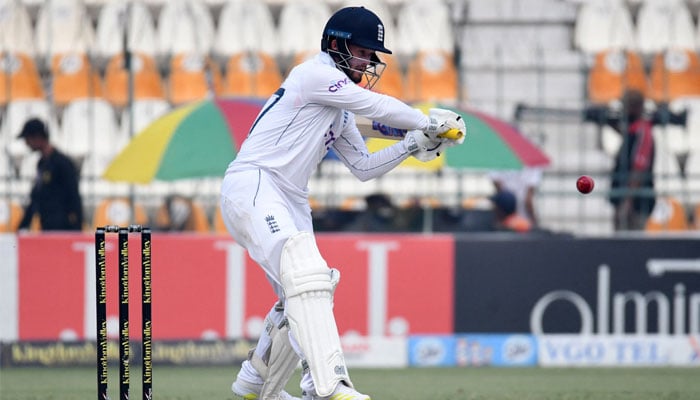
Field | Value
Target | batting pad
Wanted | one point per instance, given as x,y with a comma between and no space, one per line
308,289
281,360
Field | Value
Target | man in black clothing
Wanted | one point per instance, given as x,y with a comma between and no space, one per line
632,180
55,195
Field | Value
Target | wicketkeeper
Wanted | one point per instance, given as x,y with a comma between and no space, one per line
264,198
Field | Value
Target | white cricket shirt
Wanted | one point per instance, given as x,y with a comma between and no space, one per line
314,111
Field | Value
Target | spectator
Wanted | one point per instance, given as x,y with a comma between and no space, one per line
632,179
55,195
379,215
523,184
505,211
176,214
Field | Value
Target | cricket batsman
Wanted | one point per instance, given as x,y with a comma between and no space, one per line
264,198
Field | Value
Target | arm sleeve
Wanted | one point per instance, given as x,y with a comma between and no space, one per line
27,216
74,205
346,95
352,151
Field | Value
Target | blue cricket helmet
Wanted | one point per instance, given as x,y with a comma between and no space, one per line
355,25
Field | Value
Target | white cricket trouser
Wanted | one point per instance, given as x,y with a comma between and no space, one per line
261,217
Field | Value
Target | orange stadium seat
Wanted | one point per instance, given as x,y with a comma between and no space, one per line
182,214
147,80
74,77
431,76
19,70
251,74
117,211
219,226
391,82
612,73
674,74
668,215
192,77
10,215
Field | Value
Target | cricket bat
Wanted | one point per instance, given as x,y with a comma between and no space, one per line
374,129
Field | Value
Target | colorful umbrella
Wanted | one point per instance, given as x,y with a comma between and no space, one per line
490,144
192,141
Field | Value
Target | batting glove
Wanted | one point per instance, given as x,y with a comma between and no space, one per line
442,120
421,146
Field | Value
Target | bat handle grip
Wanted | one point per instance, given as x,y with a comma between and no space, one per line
453,134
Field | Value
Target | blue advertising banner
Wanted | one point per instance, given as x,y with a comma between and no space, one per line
472,350
496,350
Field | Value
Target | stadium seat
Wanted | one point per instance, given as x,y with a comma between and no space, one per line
73,77
19,70
144,111
181,214
17,113
674,74
10,215
392,80
16,34
192,77
118,211
603,25
184,26
245,26
612,73
432,76
662,25
63,26
147,80
353,203
424,25
513,10
381,8
300,26
251,73
109,40
668,215
90,135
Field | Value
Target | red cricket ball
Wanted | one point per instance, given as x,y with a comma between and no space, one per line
585,184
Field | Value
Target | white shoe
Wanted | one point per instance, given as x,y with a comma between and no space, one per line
341,392
251,391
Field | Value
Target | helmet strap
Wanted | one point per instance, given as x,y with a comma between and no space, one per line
342,56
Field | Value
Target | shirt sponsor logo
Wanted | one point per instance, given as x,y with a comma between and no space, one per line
337,85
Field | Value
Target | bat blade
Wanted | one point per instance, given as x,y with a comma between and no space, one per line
374,129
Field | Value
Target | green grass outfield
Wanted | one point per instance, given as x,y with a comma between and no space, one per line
209,383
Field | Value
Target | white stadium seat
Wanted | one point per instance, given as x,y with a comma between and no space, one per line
245,26
145,111
602,25
89,132
424,25
15,28
17,113
664,24
185,26
63,26
301,25
110,29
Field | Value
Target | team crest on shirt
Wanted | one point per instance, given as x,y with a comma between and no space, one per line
272,223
